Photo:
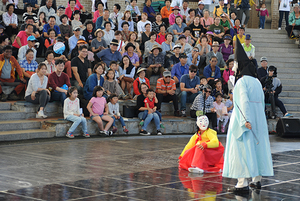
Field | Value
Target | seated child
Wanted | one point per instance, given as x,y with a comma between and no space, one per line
113,111
203,82
72,113
99,111
217,89
204,152
221,111
150,105
114,66
111,86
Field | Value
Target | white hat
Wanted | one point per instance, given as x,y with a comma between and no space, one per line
202,122
200,2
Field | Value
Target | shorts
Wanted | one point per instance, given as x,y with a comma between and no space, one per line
101,115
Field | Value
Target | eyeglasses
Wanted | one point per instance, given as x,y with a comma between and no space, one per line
208,92
193,71
213,61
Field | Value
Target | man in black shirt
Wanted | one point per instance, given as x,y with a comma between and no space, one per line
81,69
262,71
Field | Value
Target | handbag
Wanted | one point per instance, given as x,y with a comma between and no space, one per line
129,111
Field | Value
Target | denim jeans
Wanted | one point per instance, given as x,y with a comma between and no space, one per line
121,120
148,119
145,113
262,20
187,97
76,121
58,96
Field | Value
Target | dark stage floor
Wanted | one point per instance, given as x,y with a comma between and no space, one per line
130,168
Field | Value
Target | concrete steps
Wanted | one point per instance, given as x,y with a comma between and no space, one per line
12,115
13,135
19,125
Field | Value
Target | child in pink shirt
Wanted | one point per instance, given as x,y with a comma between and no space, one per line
263,12
99,110
221,111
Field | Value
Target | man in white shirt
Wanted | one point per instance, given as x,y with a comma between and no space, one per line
184,9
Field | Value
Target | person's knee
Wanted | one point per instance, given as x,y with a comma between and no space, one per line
184,93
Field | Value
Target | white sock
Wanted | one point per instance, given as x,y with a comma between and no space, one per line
242,182
256,179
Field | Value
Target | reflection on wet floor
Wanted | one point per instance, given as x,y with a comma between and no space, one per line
137,172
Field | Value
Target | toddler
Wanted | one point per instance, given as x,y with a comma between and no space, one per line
263,12
221,111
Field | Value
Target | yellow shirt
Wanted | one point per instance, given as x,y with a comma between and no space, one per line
209,137
242,40
219,11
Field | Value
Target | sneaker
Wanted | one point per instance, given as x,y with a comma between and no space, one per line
159,132
109,133
288,115
141,123
177,113
13,96
126,130
196,170
70,135
260,28
114,130
144,132
183,113
127,96
86,135
162,126
40,115
102,132
3,97
279,28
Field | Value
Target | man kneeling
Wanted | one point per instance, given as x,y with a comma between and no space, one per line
204,152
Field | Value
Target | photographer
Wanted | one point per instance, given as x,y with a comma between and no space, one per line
272,88
203,105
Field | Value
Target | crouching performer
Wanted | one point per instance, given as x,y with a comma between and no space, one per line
204,152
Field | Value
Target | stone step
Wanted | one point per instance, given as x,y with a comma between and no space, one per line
290,88
288,71
25,134
259,36
289,75
290,93
272,60
12,115
290,82
258,44
5,106
271,40
290,100
283,54
281,64
283,51
266,32
291,107
19,125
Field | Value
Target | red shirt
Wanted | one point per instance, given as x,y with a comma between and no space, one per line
23,38
69,12
160,38
151,103
55,81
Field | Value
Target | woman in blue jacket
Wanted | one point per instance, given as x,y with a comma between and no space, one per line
93,80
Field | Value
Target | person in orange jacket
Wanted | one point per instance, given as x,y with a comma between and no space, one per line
141,72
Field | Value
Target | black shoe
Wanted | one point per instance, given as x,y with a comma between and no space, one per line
177,113
238,191
144,132
3,97
13,96
256,185
159,132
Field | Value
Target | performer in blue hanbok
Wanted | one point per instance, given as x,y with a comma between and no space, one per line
247,153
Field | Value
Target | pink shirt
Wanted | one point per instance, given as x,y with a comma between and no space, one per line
207,22
98,105
226,75
172,18
23,37
96,15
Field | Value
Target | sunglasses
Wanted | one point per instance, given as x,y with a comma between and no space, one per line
208,92
193,71
168,77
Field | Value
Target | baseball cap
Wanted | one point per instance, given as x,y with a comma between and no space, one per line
176,46
182,55
77,28
166,73
200,2
31,38
263,59
61,6
248,37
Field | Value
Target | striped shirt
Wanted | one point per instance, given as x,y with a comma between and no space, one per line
29,67
199,102
165,86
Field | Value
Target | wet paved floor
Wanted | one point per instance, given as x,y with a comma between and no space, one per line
129,168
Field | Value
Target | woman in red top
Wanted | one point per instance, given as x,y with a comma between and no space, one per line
161,36
140,79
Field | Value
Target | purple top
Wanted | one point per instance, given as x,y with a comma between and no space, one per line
134,58
225,51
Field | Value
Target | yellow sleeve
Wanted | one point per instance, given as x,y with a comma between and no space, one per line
213,139
235,1
234,38
214,10
190,144
251,2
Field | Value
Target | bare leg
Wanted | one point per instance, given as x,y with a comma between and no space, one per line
123,84
129,85
98,120
109,121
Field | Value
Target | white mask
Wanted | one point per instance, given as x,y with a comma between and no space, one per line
202,122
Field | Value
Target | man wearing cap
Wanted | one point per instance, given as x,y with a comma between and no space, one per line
48,9
102,19
110,54
31,40
212,71
165,91
263,70
141,72
180,68
215,52
249,49
81,69
156,61
200,9
51,25
189,86
60,12
73,39
174,59
220,9
9,66
217,29
185,47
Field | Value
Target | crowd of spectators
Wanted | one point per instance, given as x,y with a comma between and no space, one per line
117,53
